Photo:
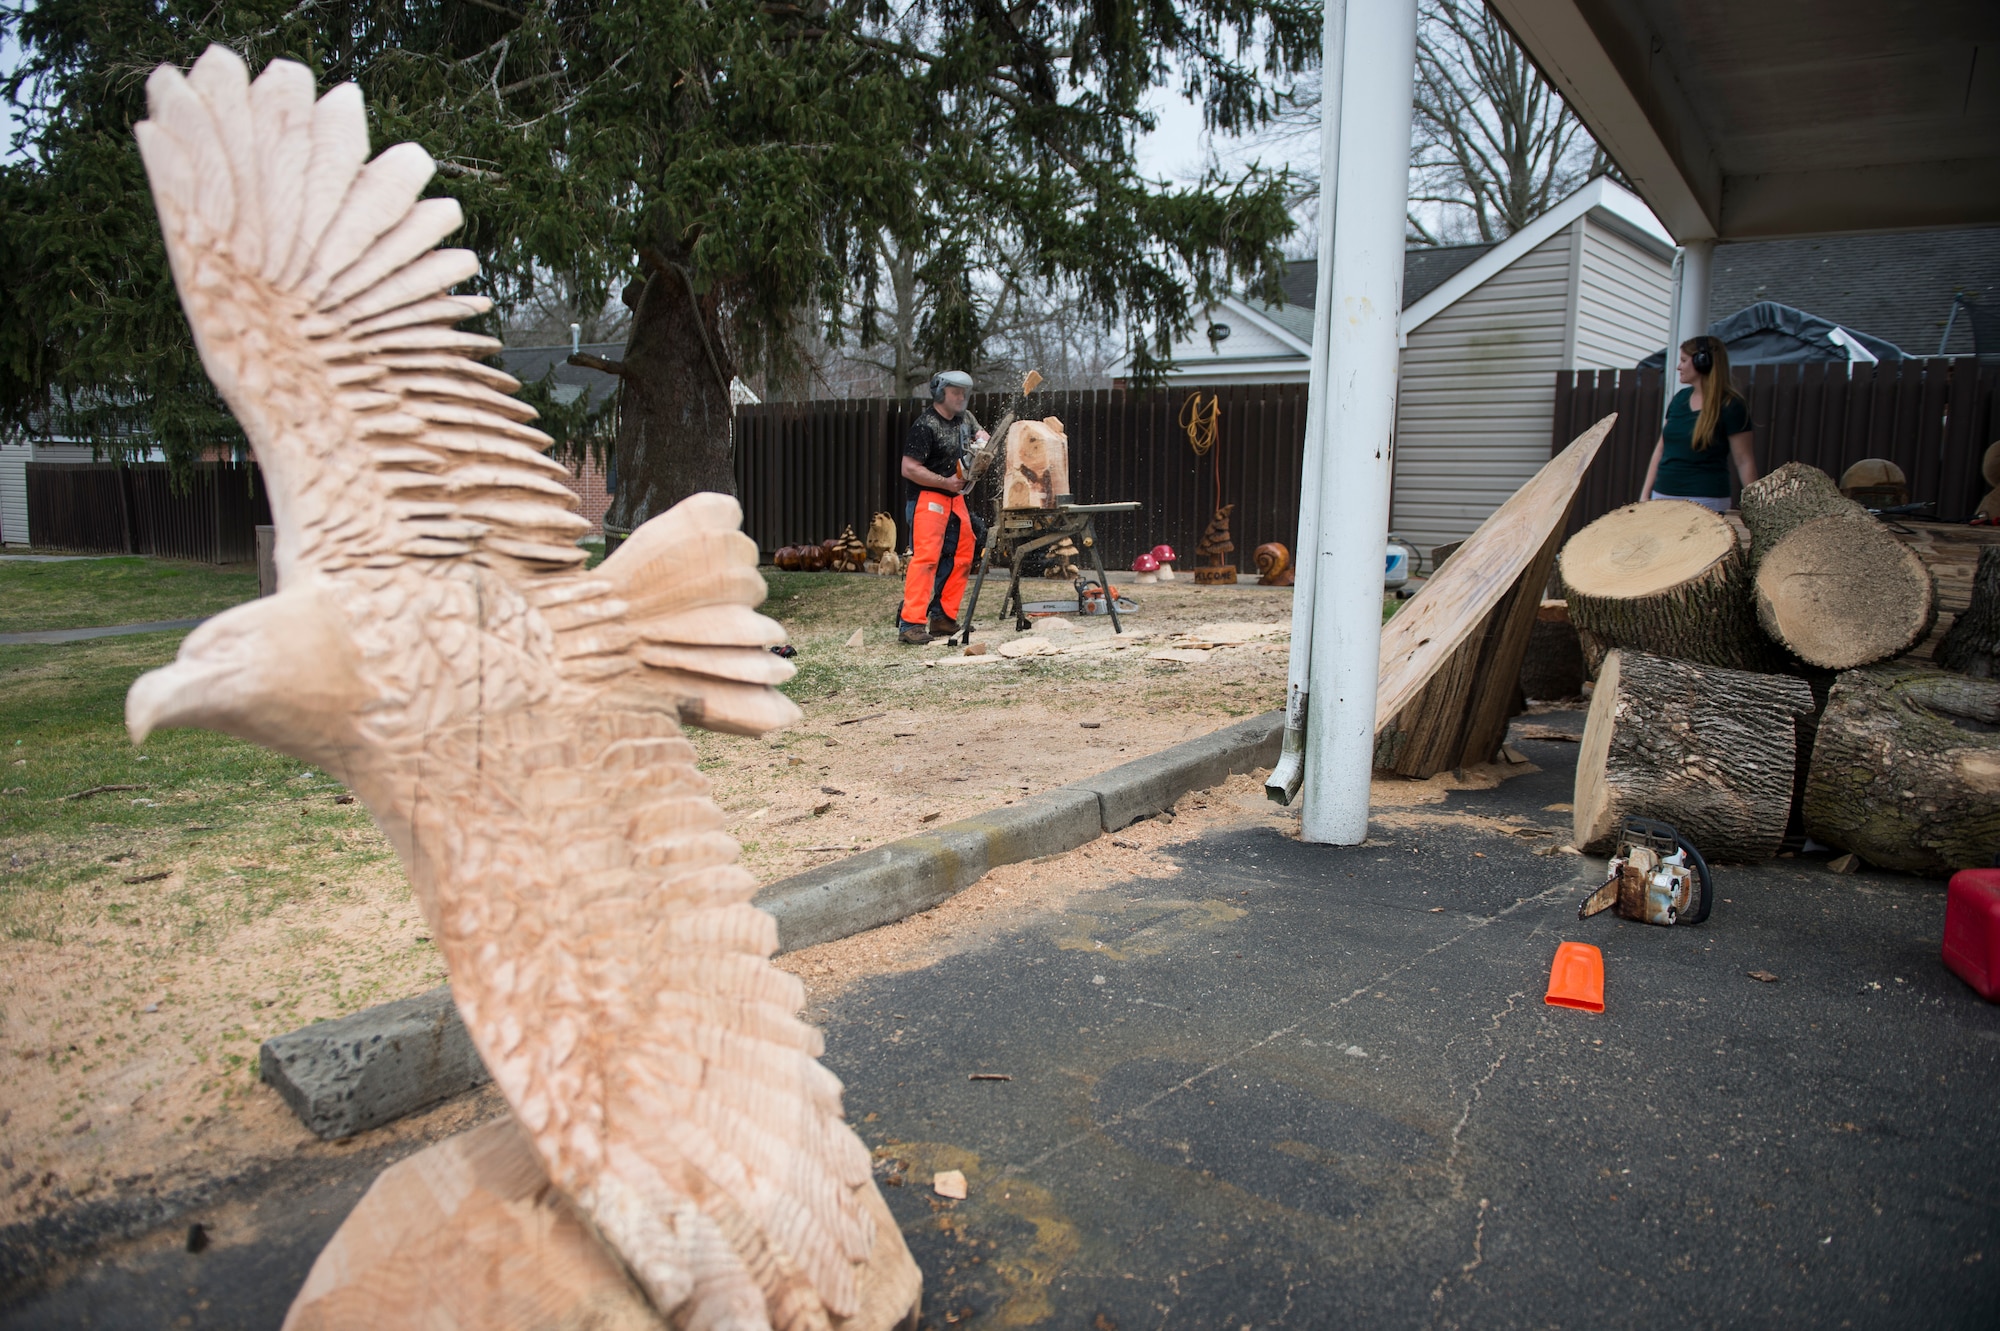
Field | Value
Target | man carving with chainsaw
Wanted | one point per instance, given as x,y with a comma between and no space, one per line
937,473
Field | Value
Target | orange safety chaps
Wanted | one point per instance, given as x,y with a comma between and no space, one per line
934,585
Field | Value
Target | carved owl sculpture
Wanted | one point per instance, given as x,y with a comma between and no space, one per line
513,720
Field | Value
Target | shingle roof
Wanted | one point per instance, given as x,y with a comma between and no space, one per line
1896,286
529,364
1425,269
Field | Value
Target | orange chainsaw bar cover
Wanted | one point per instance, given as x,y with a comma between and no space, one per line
1577,978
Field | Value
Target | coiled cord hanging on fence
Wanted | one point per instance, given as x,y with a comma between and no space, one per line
1203,423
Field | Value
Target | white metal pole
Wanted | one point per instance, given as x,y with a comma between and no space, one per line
1364,309
1289,774
1697,260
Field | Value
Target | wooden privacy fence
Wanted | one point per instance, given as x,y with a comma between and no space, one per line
1932,418
107,508
805,470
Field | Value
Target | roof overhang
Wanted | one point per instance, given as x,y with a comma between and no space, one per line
1767,118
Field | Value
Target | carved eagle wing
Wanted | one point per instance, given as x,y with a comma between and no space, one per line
521,748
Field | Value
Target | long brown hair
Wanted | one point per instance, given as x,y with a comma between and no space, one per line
1716,388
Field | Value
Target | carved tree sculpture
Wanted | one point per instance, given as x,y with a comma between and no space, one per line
512,720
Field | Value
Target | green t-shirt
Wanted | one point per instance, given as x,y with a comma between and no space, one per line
1704,475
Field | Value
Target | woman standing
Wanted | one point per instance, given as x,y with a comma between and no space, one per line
1686,464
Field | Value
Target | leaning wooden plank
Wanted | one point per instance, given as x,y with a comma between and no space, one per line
1431,628
1460,717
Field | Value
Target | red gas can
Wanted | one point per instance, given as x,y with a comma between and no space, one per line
1972,929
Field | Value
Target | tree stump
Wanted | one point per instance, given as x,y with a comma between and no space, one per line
1906,769
1664,577
1829,583
1707,749
1972,647
1553,666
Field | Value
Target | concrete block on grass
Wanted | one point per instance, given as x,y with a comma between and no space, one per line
358,1072
892,882
1150,785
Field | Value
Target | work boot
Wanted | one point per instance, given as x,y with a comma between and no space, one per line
914,635
943,628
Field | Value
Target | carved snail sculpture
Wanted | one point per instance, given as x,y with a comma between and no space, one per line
1274,564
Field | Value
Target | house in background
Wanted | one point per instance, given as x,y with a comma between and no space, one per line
15,455
1932,293
1485,328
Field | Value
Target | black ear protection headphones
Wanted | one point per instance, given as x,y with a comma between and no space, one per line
1703,355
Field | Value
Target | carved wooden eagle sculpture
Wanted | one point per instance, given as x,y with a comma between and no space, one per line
512,719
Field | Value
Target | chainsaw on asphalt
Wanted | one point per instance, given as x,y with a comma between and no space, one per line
1657,877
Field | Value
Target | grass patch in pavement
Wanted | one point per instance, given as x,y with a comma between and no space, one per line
93,593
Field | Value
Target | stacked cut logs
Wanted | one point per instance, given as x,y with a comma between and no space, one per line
1748,686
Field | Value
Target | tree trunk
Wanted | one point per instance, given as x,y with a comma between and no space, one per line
1906,769
1707,749
1972,647
1667,578
676,423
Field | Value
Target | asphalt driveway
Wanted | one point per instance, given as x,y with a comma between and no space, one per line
1299,1086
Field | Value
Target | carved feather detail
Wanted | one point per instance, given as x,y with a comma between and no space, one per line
513,721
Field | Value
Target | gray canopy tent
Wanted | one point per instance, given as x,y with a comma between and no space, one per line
1768,333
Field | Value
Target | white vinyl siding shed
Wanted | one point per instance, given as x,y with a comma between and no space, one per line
1586,286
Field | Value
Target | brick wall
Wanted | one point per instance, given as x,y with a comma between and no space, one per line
589,487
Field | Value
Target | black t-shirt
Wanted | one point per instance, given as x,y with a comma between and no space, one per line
937,444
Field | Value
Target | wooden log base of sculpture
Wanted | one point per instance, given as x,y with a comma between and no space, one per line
1665,577
1274,564
1448,659
1212,566
468,1235
1552,667
1972,645
1905,771
1830,583
1707,749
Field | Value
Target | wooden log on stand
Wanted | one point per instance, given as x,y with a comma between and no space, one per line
1830,583
1708,749
1665,577
1972,646
1906,770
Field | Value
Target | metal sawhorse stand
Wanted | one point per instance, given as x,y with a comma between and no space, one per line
1021,532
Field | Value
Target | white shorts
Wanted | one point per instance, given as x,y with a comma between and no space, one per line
1713,503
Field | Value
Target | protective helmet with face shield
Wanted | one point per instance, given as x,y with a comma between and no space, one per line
949,379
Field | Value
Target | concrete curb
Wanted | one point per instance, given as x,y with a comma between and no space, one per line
356,1072
345,1076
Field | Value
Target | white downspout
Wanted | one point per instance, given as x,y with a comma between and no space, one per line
1289,773
1358,361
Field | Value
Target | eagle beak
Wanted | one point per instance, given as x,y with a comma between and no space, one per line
171,696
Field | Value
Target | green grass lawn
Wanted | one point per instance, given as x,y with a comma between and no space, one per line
253,829
87,593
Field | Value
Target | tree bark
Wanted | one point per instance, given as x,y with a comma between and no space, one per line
1972,647
1553,665
1793,494
676,423
1906,769
1666,578
1707,749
